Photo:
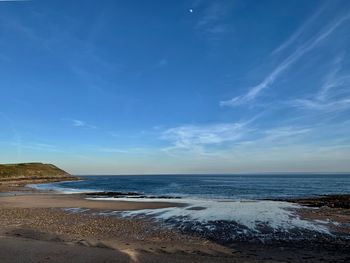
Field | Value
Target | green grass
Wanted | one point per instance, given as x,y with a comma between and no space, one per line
30,170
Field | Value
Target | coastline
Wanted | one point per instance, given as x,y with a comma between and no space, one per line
44,222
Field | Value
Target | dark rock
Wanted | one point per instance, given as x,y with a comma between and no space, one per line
333,201
127,194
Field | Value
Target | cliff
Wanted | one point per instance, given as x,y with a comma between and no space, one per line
33,173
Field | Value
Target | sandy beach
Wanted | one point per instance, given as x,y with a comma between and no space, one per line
43,227
34,227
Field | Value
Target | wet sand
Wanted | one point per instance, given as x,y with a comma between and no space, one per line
37,200
37,227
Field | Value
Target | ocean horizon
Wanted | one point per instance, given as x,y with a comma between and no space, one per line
239,186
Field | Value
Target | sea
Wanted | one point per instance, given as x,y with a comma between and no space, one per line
248,186
225,208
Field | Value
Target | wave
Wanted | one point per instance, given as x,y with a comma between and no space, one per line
60,189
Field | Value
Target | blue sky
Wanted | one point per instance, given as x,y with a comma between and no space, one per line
125,87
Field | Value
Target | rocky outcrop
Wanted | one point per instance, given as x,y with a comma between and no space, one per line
332,201
128,195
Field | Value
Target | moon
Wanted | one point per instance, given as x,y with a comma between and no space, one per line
190,10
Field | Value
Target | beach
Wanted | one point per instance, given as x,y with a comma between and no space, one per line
52,227
34,227
200,131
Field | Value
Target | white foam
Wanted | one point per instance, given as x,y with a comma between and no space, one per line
138,199
58,189
281,216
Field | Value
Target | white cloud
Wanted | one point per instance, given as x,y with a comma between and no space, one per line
199,138
286,63
333,95
230,147
336,105
285,132
78,123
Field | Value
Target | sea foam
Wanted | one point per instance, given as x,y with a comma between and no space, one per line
59,189
250,217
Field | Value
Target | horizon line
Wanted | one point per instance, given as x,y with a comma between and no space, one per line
242,173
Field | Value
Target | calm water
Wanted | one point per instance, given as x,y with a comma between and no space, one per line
216,186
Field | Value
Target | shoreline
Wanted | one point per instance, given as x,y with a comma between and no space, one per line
36,219
43,223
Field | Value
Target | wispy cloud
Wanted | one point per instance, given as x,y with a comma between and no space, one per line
196,138
336,105
132,151
187,135
112,150
214,12
212,16
286,63
229,140
271,138
297,34
334,93
284,132
34,146
80,123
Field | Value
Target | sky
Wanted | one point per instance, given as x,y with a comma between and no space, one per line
142,87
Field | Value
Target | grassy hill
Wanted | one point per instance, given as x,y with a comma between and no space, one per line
33,172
